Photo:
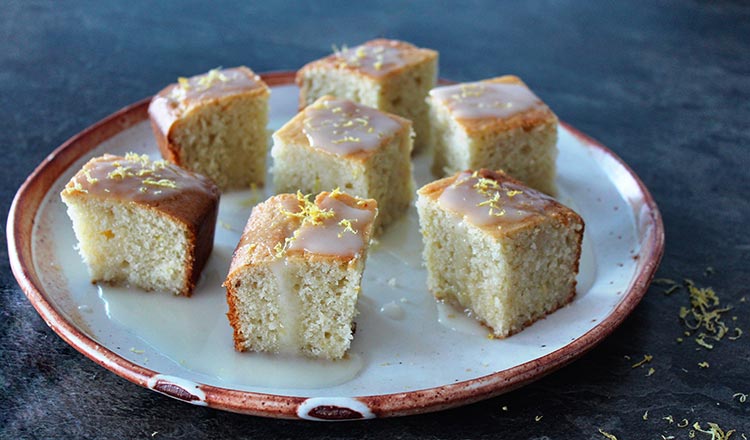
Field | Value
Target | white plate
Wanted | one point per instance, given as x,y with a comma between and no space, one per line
409,354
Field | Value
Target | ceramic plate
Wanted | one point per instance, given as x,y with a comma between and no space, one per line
409,355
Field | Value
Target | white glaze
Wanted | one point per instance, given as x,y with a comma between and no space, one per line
513,202
330,237
486,100
343,127
458,321
393,311
174,101
288,309
196,335
374,60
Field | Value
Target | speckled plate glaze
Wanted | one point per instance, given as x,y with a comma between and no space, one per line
410,355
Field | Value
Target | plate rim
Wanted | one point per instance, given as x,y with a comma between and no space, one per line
19,230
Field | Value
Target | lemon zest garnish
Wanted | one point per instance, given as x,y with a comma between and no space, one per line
703,364
716,432
683,423
538,418
645,415
335,192
212,77
664,281
76,187
669,418
607,435
89,178
651,371
184,83
347,224
646,359
513,192
346,139
279,250
135,157
309,212
120,172
742,396
705,313
166,183
736,330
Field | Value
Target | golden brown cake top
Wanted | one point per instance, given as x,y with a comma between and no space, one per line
135,178
334,226
503,102
493,201
343,127
176,100
376,59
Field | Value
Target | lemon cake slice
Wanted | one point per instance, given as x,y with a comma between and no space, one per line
149,224
215,124
497,124
295,276
389,75
504,252
336,143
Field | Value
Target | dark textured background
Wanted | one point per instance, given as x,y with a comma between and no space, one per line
666,85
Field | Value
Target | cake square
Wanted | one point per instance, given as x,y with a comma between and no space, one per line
149,224
295,276
336,143
506,253
392,76
215,124
497,123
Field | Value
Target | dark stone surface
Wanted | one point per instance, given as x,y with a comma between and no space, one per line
664,84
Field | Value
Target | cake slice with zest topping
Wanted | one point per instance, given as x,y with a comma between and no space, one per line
504,252
215,124
390,75
496,123
295,276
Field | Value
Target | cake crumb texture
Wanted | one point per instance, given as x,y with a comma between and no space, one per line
507,273
148,224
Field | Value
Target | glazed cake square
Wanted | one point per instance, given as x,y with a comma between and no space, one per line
337,143
295,276
497,123
215,124
505,252
392,76
149,224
